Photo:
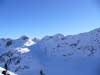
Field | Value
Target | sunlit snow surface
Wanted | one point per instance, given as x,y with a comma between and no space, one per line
26,44
29,43
59,54
11,73
22,50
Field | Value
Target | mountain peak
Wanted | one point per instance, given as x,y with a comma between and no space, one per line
24,37
36,52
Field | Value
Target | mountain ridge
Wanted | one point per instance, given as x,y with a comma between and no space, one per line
44,54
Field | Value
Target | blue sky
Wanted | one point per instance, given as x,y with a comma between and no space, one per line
47,17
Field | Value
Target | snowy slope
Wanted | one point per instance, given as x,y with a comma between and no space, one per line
56,55
84,44
2,69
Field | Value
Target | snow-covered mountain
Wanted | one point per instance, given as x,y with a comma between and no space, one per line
54,55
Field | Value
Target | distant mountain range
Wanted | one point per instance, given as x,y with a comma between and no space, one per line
54,55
